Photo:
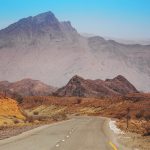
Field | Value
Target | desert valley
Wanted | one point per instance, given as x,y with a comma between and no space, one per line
28,104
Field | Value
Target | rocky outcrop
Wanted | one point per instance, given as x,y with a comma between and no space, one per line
78,86
120,85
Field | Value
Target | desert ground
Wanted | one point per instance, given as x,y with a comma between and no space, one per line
39,111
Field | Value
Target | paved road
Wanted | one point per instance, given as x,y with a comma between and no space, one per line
81,133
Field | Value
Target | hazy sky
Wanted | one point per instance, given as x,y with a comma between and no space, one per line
128,19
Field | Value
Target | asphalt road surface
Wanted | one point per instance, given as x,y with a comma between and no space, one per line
81,133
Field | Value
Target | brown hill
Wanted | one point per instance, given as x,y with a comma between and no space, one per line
78,86
26,87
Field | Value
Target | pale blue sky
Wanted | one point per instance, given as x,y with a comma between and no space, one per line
127,19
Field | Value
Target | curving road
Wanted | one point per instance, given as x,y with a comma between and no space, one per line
80,133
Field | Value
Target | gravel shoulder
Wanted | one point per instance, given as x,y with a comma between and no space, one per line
128,140
7,132
114,138
135,141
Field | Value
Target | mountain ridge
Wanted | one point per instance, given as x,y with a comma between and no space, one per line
78,86
46,47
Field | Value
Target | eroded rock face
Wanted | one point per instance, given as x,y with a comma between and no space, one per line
78,86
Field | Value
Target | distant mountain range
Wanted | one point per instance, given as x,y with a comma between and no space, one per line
81,87
43,48
77,86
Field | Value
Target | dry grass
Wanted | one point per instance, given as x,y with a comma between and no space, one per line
114,107
137,126
41,109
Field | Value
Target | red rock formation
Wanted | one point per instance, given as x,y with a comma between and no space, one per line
78,86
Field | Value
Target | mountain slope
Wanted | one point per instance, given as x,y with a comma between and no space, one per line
44,48
120,85
78,86
26,87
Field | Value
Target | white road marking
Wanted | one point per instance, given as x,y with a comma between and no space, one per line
57,145
63,140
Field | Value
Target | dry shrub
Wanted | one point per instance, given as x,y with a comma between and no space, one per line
139,114
147,115
33,119
29,119
35,113
146,127
79,100
59,117
42,118
5,123
16,121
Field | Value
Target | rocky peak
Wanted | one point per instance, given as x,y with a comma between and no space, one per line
121,84
33,28
120,78
47,17
76,79
117,78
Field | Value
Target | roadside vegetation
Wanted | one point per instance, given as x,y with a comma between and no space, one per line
114,107
38,110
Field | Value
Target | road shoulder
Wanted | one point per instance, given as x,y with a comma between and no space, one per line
114,137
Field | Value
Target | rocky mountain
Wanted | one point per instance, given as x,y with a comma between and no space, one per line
43,48
81,87
26,87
